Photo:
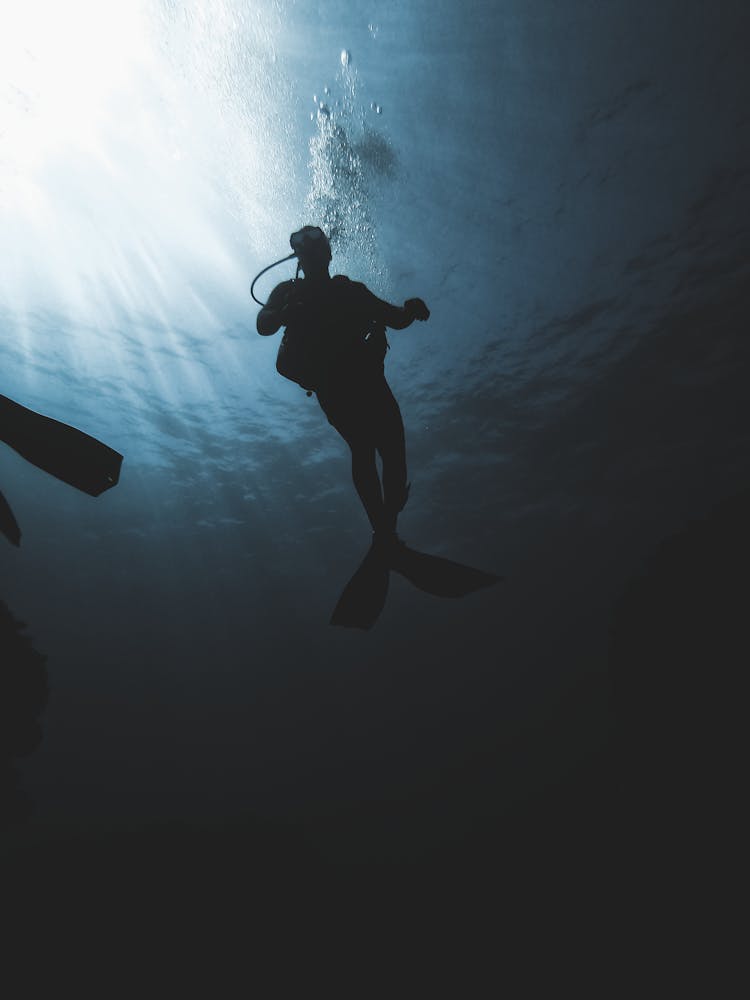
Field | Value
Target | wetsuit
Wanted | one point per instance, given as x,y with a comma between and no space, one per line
341,325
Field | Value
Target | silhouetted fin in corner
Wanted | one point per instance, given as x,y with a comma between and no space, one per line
438,576
8,523
363,598
59,449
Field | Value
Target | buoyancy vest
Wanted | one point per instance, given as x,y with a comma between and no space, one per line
335,339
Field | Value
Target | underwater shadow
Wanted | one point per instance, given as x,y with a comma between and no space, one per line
58,449
363,598
23,696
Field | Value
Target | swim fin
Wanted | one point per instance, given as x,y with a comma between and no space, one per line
8,523
438,576
363,598
59,449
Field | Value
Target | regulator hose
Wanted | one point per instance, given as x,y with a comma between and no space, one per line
261,273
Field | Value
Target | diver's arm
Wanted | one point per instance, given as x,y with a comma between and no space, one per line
273,315
397,317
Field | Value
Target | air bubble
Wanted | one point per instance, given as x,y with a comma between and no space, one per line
377,108
346,57
373,29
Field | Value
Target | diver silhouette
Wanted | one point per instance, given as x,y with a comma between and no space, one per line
334,345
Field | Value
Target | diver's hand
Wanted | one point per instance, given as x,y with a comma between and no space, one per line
417,309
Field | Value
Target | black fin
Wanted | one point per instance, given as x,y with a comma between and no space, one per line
59,449
363,598
438,576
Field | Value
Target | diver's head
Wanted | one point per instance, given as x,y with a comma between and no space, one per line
312,248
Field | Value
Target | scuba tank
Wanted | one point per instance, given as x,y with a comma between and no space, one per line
313,356
299,357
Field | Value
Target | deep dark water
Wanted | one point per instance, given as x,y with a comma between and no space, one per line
644,790
208,741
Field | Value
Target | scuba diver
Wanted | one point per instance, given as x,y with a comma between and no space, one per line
334,345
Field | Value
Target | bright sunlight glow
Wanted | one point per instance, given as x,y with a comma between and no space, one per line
122,133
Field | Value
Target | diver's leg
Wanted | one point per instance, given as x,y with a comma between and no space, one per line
346,415
391,444
367,482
